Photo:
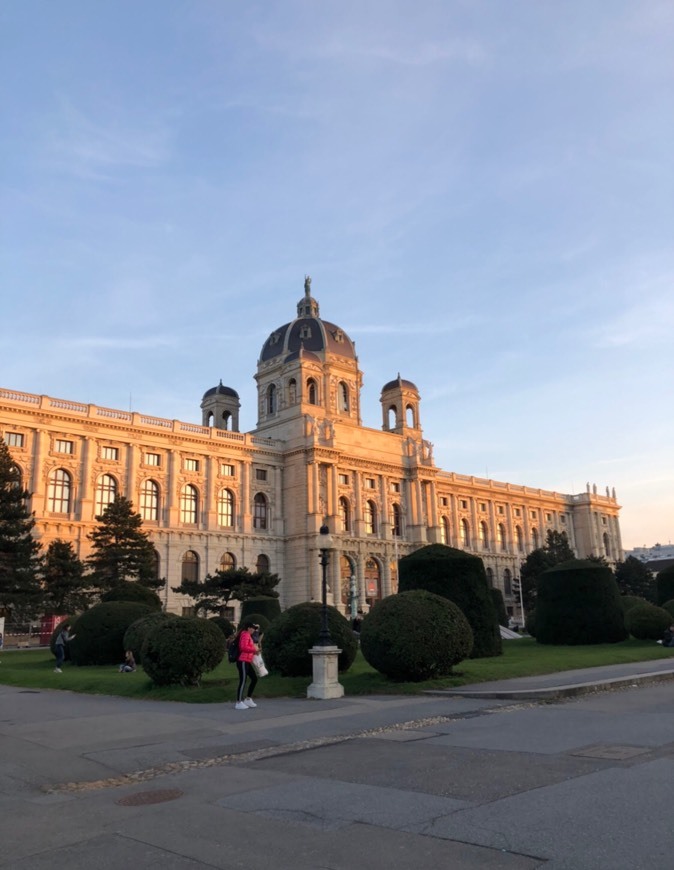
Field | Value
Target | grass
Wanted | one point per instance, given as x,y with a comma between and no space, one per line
34,669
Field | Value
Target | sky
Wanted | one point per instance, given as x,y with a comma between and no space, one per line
482,193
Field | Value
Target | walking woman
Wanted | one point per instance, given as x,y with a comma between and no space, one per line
244,664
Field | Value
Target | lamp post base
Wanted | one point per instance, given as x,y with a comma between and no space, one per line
325,672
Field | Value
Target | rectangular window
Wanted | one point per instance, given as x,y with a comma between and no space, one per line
153,459
603,520
110,453
370,482
260,474
464,504
548,518
191,465
483,507
518,512
63,446
501,509
395,486
13,439
563,518
344,479
226,469
443,501
532,515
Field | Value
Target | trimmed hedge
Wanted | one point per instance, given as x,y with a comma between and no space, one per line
669,607
259,619
648,621
627,602
499,605
133,592
100,632
415,636
578,602
270,608
461,578
530,623
664,585
180,650
134,636
290,636
225,626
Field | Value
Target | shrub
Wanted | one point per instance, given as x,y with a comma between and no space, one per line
530,623
461,578
135,635
648,621
100,632
664,585
669,607
415,636
133,592
270,608
627,602
180,650
578,602
259,619
290,636
499,605
225,626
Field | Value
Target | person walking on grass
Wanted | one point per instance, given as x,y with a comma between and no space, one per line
244,664
62,639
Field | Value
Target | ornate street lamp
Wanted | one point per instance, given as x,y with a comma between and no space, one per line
324,638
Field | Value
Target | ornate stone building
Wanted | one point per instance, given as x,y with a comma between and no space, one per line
214,497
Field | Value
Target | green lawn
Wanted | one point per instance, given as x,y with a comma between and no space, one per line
34,669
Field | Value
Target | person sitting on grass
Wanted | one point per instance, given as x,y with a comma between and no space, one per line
128,666
668,636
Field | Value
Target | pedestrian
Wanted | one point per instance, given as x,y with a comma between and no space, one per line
244,663
62,638
128,666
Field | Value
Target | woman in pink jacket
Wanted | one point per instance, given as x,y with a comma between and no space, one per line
247,649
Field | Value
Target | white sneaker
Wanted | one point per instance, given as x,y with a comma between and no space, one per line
250,703
240,705
58,671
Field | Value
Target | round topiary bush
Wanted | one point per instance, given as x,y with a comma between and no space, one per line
664,584
629,601
290,636
133,592
647,621
259,619
530,623
100,632
180,650
263,605
669,607
225,626
578,602
461,578
134,636
415,636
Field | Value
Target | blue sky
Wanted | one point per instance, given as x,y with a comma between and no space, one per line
482,193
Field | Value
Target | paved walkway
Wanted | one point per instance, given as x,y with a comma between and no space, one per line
495,780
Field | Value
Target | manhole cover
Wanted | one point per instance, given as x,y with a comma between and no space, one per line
142,798
611,753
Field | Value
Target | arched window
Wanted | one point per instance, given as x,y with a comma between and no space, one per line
464,529
312,392
149,500
343,397
156,565
344,515
396,520
226,508
106,492
227,420
227,562
534,538
209,419
373,592
260,512
189,504
59,493
392,417
444,530
370,516
410,419
490,577
484,536
347,570
262,564
190,567
16,477
292,391
271,399
607,546
507,581
500,537
520,539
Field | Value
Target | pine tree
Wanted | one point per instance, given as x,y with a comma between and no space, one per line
66,588
121,549
20,589
218,588
635,578
555,550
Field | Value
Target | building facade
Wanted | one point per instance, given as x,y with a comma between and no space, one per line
213,497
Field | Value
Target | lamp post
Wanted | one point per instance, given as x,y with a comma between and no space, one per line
324,638
353,597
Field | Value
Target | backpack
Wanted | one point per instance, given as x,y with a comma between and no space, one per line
233,649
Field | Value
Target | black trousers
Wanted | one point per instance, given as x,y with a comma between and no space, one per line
246,672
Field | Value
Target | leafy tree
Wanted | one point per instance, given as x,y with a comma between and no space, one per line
20,589
121,549
218,588
67,590
555,551
635,578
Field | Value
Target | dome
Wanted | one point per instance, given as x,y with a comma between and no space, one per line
400,383
221,390
308,332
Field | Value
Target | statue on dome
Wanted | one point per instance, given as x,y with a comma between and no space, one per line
307,285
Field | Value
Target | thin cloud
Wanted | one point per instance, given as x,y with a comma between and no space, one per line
98,342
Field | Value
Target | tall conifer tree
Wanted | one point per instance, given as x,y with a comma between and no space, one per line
65,586
121,549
